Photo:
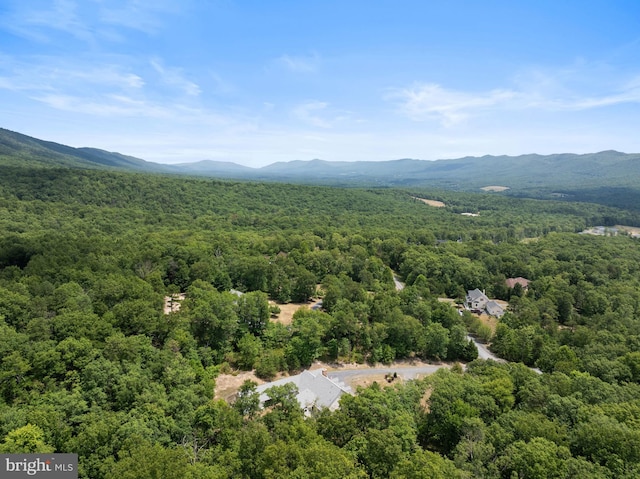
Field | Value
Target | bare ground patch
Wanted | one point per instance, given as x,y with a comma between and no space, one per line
490,321
436,203
424,402
632,230
495,188
288,310
228,384
447,300
366,381
372,373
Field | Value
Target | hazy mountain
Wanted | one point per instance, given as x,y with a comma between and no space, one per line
526,172
213,168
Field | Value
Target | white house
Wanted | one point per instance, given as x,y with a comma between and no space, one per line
315,389
494,309
476,299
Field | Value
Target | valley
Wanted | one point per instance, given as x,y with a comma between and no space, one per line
274,278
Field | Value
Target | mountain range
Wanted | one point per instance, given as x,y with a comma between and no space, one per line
558,172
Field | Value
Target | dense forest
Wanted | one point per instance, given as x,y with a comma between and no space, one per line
607,177
90,364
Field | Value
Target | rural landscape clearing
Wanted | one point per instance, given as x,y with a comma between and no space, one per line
319,240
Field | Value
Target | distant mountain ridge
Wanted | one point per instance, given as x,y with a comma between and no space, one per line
564,171
205,167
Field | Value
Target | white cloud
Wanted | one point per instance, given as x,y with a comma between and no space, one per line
541,92
579,87
106,75
308,112
142,15
93,77
174,77
629,93
432,101
107,106
102,90
89,21
320,114
38,74
32,21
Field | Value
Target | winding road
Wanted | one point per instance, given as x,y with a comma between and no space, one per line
348,376
483,351
404,372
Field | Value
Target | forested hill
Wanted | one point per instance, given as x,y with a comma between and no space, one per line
91,364
526,171
537,175
24,151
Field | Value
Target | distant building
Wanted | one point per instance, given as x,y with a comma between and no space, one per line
478,302
511,282
476,299
600,231
494,309
315,390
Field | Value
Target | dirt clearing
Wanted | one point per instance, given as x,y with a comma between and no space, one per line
228,384
288,310
352,374
495,188
490,321
436,203
632,230
424,402
398,372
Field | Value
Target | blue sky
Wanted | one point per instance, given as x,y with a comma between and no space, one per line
255,82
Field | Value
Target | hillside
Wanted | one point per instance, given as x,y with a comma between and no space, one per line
24,151
92,364
607,177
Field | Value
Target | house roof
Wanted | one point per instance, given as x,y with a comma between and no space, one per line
494,306
476,294
314,388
